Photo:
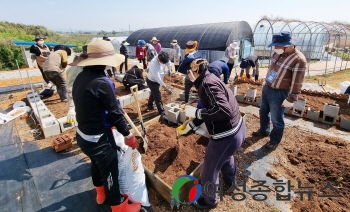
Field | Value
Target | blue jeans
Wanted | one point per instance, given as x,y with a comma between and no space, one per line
272,100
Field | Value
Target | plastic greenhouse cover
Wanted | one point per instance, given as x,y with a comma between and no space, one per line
213,36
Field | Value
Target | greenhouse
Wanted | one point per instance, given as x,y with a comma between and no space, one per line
325,46
212,38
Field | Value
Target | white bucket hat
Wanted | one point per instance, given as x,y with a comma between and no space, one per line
234,45
101,52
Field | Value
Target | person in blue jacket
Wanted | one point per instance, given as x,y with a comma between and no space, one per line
218,68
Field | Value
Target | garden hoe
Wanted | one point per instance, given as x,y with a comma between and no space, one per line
134,91
322,84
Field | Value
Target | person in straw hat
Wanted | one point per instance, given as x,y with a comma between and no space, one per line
97,110
156,44
224,122
283,82
134,76
184,68
176,53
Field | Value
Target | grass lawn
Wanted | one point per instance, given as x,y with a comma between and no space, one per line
333,79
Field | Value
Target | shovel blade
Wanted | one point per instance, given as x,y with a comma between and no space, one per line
145,143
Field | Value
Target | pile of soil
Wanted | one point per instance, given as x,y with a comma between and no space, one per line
169,157
315,102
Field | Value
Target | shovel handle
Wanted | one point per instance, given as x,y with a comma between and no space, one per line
134,93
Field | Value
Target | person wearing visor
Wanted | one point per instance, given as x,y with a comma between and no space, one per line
220,112
283,81
185,66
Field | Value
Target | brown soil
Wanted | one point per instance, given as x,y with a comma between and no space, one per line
166,157
315,102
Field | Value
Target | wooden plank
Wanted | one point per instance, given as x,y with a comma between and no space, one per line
158,184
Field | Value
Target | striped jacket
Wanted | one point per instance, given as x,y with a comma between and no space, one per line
290,70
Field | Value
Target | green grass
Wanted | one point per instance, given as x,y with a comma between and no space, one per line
274,210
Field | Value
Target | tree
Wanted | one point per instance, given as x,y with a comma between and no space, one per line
114,32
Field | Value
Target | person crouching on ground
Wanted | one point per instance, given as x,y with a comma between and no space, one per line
97,110
134,76
221,115
247,63
54,67
155,76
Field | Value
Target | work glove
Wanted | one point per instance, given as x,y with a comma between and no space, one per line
168,90
292,99
131,141
183,131
71,115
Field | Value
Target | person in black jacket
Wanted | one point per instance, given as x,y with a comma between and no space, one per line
224,122
124,51
247,63
97,111
134,76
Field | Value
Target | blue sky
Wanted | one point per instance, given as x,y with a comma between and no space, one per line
117,15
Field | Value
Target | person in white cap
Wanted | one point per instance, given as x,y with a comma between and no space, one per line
156,44
230,56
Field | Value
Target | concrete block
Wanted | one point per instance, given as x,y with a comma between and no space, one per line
344,123
258,101
250,96
38,86
240,98
45,116
124,100
32,99
169,106
182,96
119,77
173,115
64,125
31,95
299,108
234,90
313,115
50,127
40,110
286,110
331,110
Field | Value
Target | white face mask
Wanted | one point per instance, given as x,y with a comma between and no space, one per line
41,42
279,51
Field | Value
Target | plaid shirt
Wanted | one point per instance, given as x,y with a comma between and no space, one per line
290,68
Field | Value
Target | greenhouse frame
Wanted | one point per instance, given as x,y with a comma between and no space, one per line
325,45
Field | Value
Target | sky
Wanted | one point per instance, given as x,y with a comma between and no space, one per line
108,15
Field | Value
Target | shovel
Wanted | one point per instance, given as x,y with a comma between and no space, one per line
134,90
144,139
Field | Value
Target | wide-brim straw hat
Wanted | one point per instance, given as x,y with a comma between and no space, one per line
191,46
101,52
154,38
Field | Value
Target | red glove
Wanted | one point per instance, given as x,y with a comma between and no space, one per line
131,141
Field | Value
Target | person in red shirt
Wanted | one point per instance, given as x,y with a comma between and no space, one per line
141,52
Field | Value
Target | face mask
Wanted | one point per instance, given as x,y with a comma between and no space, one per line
41,42
279,51
154,42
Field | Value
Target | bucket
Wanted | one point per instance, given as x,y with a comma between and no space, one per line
343,86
